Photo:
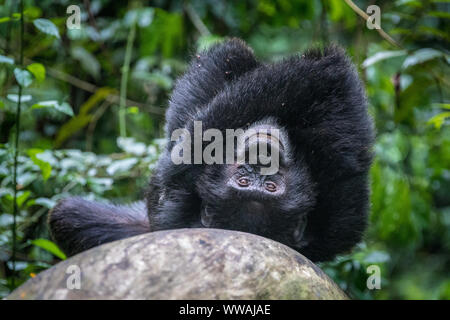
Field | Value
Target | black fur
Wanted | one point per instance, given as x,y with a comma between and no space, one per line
316,100
77,224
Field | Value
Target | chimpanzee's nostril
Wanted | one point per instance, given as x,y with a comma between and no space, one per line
206,218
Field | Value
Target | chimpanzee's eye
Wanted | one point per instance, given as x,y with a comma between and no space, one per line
243,182
270,186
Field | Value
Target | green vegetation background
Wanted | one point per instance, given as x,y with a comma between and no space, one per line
74,84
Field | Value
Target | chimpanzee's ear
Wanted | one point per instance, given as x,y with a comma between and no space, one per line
208,73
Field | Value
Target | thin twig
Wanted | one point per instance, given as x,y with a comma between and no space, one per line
93,123
196,21
89,87
16,152
377,27
92,21
69,186
124,80
8,48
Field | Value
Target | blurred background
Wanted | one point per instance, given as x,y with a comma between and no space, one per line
92,116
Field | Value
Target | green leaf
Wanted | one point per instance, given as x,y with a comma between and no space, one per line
443,105
100,185
165,33
5,59
45,202
50,247
6,219
129,145
133,110
32,12
45,167
142,16
342,13
88,61
44,104
421,56
23,77
22,197
47,27
4,19
383,55
433,32
120,166
63,107
38,70
19,265
376,257
26,178
439,119
439,14
15,97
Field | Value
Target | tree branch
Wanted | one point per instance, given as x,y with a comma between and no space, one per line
377,27
124,80
89,87
196,21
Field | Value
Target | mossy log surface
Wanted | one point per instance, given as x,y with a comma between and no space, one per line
185,264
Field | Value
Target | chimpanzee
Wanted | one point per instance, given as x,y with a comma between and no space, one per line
316,202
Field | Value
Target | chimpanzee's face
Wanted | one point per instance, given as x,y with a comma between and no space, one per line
240,197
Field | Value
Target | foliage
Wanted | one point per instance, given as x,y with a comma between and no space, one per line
71,83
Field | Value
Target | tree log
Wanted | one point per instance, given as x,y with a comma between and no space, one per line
184,264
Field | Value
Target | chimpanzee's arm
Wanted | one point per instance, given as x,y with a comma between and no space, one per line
77,224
